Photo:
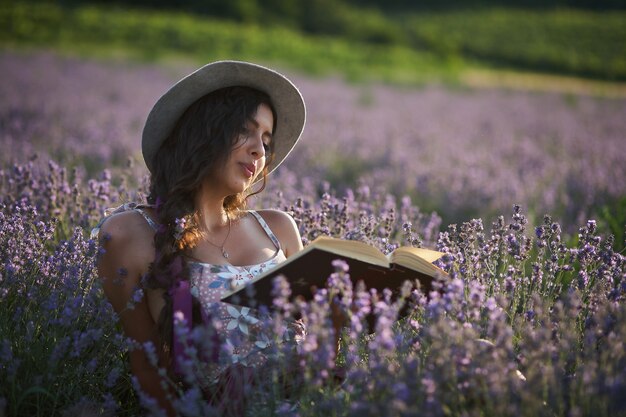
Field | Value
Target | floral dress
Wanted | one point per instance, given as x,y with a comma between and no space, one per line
241,332
240,325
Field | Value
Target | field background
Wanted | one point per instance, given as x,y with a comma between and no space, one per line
452,124
467,108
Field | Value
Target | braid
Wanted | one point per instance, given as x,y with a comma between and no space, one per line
169,265
199,144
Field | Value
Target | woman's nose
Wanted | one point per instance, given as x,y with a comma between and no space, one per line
256,146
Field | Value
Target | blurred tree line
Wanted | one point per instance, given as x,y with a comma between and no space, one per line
366,20
463,4
575,37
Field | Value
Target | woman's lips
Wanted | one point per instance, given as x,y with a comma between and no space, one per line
248,169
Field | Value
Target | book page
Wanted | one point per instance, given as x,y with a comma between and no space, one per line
352,249
418,259
428,255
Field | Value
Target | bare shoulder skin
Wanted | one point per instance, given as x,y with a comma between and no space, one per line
285,229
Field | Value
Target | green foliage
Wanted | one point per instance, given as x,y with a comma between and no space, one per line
613,220
358,42
561,41
464,4
367,25
153,34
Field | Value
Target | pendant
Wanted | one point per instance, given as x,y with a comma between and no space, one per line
224,253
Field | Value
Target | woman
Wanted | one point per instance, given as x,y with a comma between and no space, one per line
209,143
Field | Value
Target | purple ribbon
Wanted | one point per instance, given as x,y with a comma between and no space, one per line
181,302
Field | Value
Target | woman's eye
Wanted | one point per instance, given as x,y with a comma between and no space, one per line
267,147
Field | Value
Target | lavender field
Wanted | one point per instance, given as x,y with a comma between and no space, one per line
518,189
461,153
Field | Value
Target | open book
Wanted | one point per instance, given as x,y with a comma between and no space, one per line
311,267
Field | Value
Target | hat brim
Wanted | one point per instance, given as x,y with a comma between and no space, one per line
284,95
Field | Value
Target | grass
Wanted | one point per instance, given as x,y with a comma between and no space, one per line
562,41
154,35
475,49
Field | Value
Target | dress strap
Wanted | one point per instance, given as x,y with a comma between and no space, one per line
151,222
266,228
124,207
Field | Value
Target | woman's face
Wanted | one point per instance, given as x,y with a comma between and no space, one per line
247,159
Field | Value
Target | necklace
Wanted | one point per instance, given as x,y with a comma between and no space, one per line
221,247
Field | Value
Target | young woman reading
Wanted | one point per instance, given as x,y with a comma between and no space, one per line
209,143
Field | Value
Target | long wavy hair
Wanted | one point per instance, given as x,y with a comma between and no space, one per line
199,145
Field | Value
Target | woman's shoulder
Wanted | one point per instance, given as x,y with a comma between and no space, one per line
127,225
278,220
127,250
285,229
127,237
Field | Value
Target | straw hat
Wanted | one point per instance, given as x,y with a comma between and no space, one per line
286,99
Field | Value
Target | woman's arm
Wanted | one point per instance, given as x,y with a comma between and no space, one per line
128,252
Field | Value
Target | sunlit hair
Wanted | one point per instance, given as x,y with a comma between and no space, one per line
197,148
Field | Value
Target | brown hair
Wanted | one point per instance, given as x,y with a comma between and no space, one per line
199,145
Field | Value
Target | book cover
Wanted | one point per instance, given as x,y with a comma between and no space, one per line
310,269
